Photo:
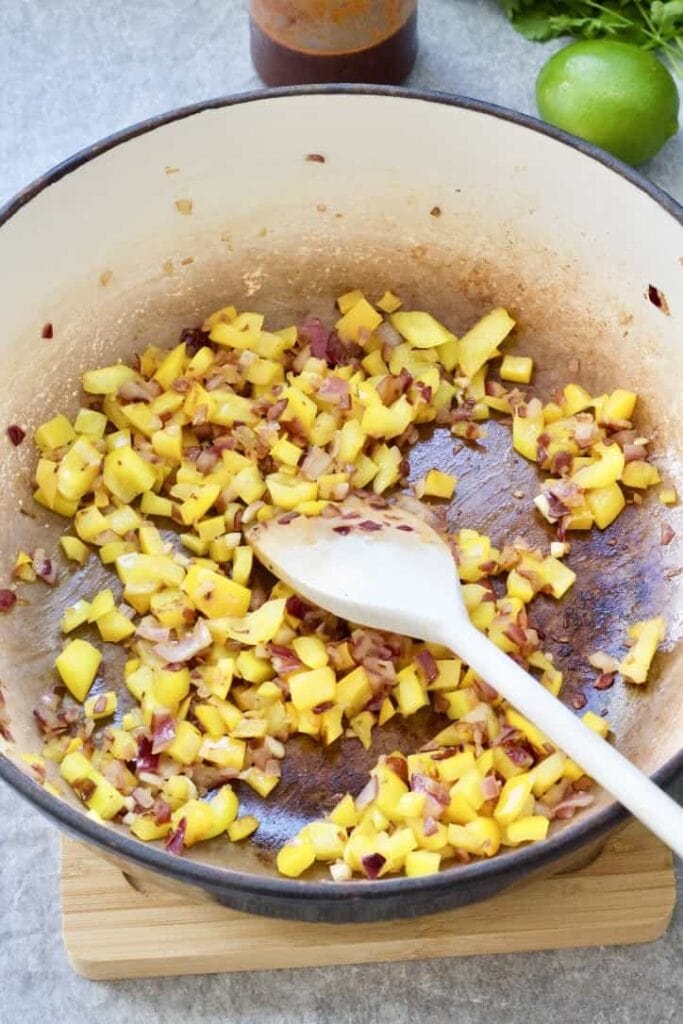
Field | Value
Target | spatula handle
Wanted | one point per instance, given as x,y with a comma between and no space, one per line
599,759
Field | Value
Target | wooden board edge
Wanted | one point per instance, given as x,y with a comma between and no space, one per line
642,878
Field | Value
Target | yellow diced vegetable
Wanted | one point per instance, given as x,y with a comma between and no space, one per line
360,317
517,368
422,862
107,380
527,830
102,706
481,342
294,858
242,827
311,688
605,504
215,595
420,329
512,798
75,615
646,636
184,747
77,666
436,485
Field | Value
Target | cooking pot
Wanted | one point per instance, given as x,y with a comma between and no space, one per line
279,201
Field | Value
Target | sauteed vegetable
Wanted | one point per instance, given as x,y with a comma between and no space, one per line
166,463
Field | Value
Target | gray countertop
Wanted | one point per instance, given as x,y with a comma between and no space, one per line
72,72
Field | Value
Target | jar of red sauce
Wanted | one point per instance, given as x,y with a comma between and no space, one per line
299,42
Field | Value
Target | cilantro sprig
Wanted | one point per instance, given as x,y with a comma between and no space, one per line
652,26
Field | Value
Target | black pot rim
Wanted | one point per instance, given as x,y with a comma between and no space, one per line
217,879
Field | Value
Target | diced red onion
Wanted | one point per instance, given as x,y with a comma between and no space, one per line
162,811
276,410
368,793
561,463
8,599
398,765
586,433
369,525
420,783
163,732
336,391
326,344
568,807
635,453
624,437
603,662
316,463
139,390
518,753
297,607
428,666
485,691
44,567
388,335
391,386
176,839
361,645
15,434
149,628
490,787
372,864
340,871
283,659
208,460
180,651
146,760
143,798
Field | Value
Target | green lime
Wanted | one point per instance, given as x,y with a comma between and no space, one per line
612,94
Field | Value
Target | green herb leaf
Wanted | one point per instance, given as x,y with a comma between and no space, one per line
656,25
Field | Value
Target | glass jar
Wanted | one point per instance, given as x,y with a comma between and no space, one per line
299,42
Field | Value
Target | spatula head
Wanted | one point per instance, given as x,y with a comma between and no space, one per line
373,565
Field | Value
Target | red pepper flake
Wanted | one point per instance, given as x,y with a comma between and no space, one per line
315,158
578,701
47,331
658,298
435,211
405,528
342,530
369,525
15,434
7,599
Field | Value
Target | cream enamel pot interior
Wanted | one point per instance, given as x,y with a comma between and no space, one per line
456,205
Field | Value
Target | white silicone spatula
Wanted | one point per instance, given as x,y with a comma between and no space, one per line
386,568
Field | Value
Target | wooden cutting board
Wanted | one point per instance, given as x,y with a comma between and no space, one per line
113,930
